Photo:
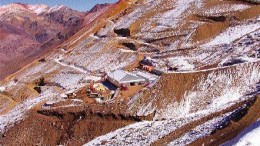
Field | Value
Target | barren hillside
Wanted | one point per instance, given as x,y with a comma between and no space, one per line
201,58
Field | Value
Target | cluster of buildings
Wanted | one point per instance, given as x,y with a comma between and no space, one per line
119,80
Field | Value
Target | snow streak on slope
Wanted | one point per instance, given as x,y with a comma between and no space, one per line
68,81
19,112
169,15
250,136
181,63
100,57
233,33
243,49
147,132
138,12
198,132
173,17
142,133
221,9
216,89
105,31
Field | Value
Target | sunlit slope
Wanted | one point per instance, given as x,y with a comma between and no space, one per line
207,51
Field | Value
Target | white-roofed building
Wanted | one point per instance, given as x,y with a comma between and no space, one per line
120,77
149,78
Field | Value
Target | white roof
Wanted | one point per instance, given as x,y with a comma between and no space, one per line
146,75
123,76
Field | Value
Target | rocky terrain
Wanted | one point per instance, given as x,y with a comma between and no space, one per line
207,91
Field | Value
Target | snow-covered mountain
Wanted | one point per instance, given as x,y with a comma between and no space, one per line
205,57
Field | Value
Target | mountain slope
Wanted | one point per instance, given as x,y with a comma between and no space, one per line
207,51
30,31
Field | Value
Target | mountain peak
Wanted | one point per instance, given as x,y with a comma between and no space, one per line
57,8
14,6
19,7
39,8
98,7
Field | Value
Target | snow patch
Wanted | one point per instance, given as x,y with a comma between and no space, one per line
181,63
18,112
233,33
38,9
249,136
2,89
226,8
198,132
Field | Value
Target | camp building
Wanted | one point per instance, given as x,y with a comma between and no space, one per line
120,77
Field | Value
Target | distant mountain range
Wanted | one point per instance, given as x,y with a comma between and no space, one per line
30,31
